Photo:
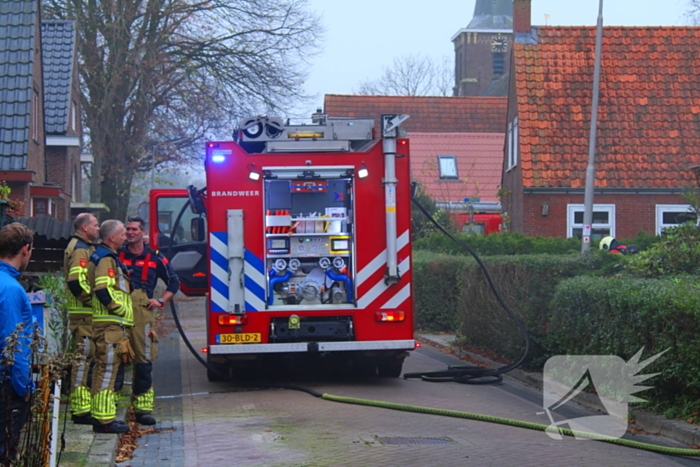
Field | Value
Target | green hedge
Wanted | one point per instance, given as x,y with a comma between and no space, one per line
517,244
568,311
619,316
499,244
527,284
435,294
452,295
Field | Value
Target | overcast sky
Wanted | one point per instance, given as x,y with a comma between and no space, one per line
362,36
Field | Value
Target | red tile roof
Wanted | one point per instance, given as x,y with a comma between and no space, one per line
649,114
430,114
479,163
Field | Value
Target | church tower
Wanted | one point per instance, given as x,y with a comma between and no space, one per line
482,50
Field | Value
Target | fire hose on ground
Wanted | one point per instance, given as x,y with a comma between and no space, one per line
459,374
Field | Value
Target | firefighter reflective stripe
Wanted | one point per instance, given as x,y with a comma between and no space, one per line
148,342
76,258
110,368
123,315
253,281
144,402
82,365
104,406
366,298
75,306
80,401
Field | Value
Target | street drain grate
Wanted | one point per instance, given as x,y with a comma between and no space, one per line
413,441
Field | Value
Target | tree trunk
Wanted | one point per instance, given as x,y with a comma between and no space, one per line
116,190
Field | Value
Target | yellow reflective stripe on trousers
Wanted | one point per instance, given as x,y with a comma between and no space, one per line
144,402
104,406
80,401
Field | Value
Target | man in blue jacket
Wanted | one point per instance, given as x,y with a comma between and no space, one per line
16,385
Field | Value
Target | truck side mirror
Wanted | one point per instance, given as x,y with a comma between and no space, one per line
197,229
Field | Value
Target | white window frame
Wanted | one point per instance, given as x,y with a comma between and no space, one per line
572,209
50,206
512,144
662,208
446,158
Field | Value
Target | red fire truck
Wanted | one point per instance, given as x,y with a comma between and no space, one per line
473,216
308,248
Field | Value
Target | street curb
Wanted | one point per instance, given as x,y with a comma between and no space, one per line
103,450
678,430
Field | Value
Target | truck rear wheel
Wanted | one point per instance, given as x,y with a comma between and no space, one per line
216,372
365,367
390,369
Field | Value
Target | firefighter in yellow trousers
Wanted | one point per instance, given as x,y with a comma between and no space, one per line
145,266
111,319
75,263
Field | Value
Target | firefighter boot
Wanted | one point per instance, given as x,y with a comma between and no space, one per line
84,419
115,426
145,418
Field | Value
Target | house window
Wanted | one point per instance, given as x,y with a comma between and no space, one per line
670,215
448,167
498,63
512,144
43,207
603,223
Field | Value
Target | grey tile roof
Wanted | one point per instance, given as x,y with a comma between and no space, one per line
48,227
58,49
17,34
492,14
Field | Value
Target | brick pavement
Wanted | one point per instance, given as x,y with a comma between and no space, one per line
218,424
166,447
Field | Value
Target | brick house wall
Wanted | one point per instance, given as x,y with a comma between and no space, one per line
34,170
511,181
35,149
647,130
61,168
634,212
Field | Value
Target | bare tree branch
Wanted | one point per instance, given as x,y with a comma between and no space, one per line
412,75
173,72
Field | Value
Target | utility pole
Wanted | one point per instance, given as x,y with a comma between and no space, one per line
590,170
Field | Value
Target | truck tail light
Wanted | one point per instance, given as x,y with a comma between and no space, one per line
232,320
389,316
